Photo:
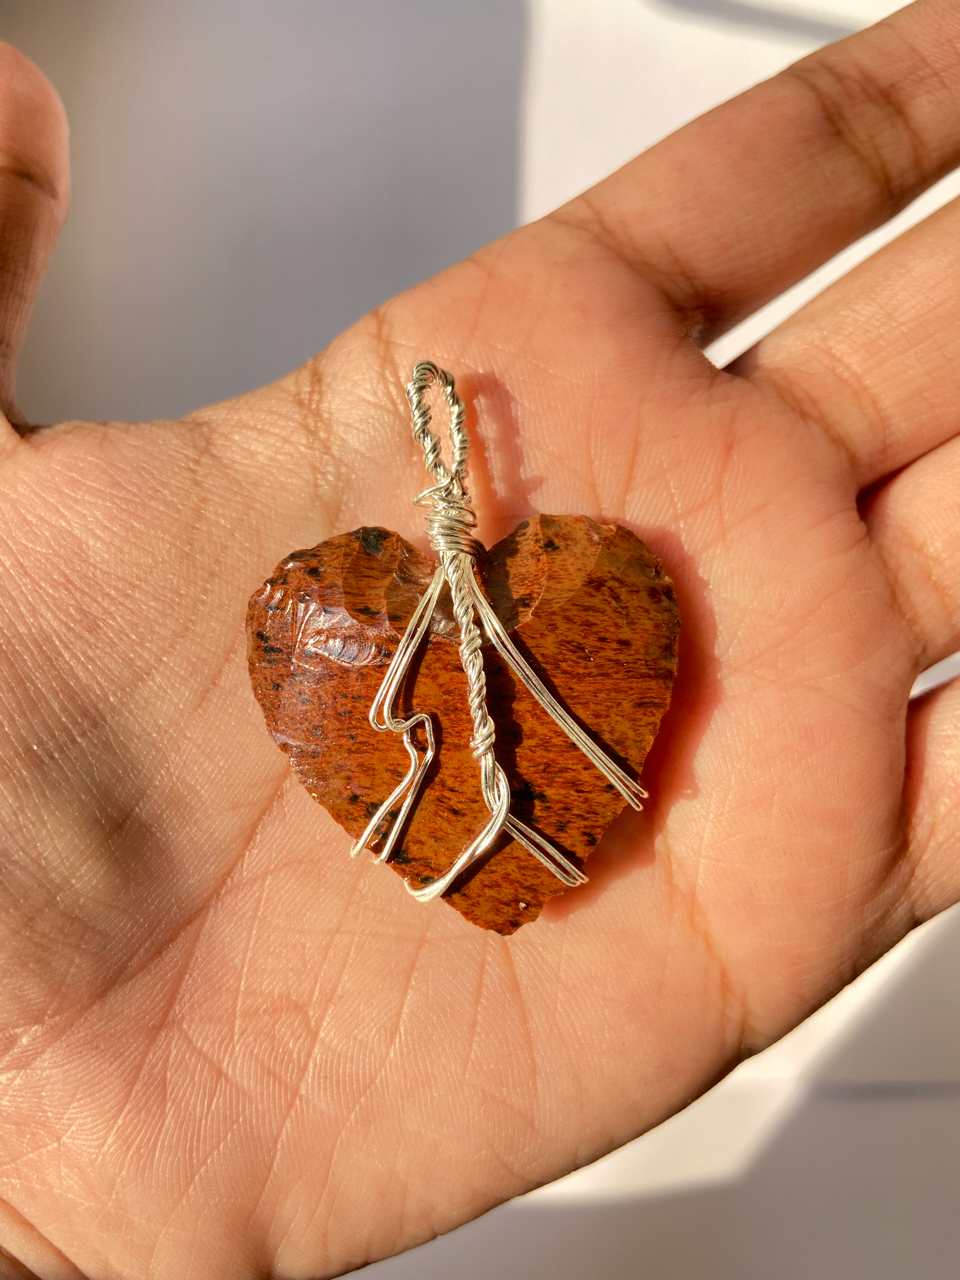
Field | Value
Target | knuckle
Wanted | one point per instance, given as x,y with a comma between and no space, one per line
870,116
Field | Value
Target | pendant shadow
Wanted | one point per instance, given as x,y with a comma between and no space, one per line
502,493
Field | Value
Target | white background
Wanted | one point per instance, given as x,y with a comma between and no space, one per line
250,177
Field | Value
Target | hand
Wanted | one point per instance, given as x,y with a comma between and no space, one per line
227,1049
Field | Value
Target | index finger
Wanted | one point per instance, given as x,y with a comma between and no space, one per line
748,199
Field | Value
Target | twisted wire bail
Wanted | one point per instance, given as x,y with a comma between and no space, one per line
425,375
450,519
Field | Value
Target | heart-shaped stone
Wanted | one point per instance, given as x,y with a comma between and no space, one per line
588,605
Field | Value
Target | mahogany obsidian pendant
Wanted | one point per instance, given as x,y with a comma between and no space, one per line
587,607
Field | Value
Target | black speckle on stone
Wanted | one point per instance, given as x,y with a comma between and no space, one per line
277,686
271,648
524,524
371,539
589,838
514,924
368,612
314,571
549,545
523,602
354,798
370,808
401,857
426,879
625,644
524,794
262,637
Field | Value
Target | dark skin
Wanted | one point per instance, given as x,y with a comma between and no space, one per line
229,1051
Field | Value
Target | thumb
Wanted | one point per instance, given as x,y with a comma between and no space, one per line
34,194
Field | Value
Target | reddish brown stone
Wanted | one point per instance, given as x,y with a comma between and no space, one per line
588,604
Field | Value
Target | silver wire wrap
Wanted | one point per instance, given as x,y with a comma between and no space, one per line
449,524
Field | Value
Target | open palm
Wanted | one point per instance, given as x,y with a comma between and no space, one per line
227,1050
